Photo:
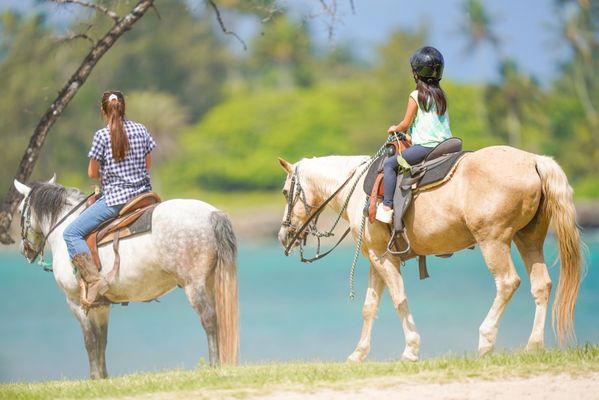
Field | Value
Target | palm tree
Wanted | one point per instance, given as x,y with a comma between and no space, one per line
514,89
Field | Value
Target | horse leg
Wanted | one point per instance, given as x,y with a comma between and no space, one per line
94,325
531,250
202,303
371,304
388,268
497,256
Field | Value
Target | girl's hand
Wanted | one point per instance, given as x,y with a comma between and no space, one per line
392,129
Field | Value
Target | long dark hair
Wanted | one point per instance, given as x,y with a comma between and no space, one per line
430,91
113,105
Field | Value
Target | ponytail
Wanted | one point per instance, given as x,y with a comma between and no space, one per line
429,91
113,106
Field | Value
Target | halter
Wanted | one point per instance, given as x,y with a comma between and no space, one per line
26,227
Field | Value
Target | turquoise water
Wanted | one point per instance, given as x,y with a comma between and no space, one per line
289,312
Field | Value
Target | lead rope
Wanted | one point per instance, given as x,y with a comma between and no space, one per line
352,273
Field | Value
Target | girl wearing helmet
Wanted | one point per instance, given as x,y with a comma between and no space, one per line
426,121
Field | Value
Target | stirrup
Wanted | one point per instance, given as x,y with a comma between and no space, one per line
392,242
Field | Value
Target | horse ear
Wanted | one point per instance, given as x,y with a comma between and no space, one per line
285,165
22,188
52,180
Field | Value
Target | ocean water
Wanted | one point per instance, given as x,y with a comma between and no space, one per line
289,312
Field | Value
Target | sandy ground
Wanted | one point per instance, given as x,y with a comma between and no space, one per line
544,387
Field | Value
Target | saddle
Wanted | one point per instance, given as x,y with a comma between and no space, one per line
134,218
436,169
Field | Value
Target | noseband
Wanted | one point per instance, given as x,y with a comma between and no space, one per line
26,227
296,193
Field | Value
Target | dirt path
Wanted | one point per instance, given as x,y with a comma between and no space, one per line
545,387
542,387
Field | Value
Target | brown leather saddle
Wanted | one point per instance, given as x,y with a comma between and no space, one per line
436,169
135,217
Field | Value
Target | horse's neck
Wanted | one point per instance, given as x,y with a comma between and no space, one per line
55,239
327,174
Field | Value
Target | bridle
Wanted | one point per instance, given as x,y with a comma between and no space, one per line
309,227
293,195
26,227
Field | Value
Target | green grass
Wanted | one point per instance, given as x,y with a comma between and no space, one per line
245,380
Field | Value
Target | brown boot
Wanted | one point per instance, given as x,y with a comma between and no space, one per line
96,284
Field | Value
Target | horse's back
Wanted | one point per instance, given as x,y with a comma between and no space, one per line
494,191
501,188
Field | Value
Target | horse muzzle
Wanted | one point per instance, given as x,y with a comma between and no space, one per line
27,252
287,234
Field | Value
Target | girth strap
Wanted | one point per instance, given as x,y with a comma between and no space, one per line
117,257
374,197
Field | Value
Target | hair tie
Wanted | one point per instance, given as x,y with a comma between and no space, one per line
113,97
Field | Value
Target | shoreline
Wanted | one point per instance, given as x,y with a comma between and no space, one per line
262,223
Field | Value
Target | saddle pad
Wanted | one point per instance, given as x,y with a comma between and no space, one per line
436,172
373,171
140,225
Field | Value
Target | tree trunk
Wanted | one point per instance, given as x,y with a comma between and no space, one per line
12,198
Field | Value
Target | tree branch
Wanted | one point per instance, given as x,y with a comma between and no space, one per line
12,198
73,36
93,6
222,24
330,11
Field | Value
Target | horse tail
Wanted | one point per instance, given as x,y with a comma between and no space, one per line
558,206
225,288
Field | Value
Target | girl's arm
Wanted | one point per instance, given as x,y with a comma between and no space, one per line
148,161
93,169
405,123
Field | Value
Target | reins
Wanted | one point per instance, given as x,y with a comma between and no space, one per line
296,191
313,216
26,224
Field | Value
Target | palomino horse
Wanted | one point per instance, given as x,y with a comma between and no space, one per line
191,245
496,195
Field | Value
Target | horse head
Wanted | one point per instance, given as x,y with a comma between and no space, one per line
299,197
34,216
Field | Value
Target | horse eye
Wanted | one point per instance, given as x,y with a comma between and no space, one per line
285,193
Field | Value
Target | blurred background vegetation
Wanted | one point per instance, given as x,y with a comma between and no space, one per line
222,115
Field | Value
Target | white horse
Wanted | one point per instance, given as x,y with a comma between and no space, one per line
191,245
496,195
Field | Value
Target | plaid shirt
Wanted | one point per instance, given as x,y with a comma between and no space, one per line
123,180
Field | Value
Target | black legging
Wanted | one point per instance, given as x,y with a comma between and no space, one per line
413,155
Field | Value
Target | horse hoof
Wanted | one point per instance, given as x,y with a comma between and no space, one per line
354,358
535,346
409,357
483,351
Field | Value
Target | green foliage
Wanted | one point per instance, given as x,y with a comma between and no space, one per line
221,117
235,146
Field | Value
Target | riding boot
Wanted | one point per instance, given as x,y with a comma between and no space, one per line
96,283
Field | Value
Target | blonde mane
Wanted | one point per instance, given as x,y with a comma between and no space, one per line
325,174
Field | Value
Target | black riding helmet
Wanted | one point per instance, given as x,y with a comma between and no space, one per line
427,62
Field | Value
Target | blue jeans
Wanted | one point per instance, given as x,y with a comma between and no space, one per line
74,235
413,155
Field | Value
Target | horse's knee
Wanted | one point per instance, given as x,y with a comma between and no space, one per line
509,284
200,301
540,291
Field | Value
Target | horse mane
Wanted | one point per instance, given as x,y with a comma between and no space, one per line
48,200
327,172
